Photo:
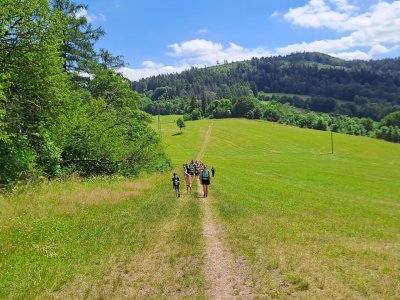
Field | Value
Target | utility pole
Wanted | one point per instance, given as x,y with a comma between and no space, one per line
330,117
159,123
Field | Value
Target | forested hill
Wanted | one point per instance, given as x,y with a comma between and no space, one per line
354,88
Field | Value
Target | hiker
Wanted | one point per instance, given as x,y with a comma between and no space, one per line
188,180
213,171
205,180
175,185
191,167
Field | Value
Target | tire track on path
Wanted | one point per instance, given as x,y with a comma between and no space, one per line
225,273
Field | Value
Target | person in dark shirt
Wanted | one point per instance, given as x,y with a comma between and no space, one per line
175,185
213,171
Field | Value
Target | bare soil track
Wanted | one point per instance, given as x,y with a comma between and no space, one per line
226,274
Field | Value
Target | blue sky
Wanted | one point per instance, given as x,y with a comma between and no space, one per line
169,36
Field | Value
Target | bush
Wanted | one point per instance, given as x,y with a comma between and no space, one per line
196,114
392,119
243,106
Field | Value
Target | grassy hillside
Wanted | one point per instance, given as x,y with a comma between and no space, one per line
310,224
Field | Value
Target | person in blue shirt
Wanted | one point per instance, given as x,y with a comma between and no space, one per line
205,180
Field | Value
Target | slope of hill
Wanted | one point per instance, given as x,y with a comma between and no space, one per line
309,225
369,88
302,223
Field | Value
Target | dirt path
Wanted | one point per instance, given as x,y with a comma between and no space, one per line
225,273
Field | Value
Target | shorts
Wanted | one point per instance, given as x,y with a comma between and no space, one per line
176,187
205,182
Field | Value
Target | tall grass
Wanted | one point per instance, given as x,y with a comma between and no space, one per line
100,238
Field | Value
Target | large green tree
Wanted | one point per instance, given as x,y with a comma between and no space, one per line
50,122
78,35
34,86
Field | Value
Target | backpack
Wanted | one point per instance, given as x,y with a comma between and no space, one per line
205,175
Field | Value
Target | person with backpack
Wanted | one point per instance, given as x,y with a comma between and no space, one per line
205,180
191,168
212,171
196,170
175,185
188,180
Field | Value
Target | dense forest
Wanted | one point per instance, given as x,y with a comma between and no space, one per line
362,92
63,108
355,88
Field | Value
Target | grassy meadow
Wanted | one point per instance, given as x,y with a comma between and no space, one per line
104,238
310,225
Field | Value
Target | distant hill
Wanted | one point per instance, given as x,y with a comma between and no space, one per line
354,88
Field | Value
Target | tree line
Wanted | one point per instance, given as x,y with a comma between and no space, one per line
63,108
305,89
278,109
355,88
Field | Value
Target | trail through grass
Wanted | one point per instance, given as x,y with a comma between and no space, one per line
227,276
310,224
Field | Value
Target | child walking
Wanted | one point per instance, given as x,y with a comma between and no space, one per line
175,185
188,180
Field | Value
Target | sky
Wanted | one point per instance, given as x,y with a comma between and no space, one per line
167,36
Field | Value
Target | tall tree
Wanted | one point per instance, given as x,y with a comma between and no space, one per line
79,36
34,86
107,60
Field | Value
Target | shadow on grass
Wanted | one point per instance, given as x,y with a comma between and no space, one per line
178,133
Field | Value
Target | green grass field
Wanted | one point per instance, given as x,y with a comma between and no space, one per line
100,239
310,225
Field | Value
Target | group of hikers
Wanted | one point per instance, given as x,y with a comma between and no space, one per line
195,169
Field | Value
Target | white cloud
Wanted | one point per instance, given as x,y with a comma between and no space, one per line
199,51
196,47
275,14
102,17
377,28
91,18
358,54
344,5
150,68
379,49
324,46
315,14
201,31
